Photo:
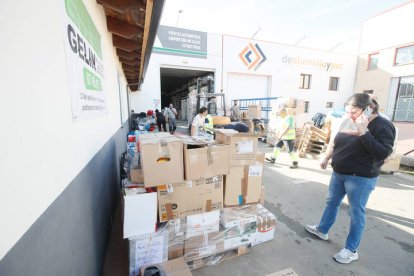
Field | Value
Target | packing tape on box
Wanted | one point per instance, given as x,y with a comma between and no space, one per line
208,205
209,155
168,209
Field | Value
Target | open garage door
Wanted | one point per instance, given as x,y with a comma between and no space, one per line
177,83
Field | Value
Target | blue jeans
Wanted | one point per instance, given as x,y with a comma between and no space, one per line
357,189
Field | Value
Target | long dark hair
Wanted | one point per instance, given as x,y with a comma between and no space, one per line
361,100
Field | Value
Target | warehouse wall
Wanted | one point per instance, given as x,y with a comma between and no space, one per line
60,178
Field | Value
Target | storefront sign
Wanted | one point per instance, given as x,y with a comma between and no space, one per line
180,42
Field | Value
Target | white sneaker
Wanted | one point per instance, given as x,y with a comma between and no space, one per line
313,229
345,256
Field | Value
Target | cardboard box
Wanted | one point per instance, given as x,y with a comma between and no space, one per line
392,164
204,245
140,214
252,188
233,184
203,237
190,197
243,185
162,160
200,224
243,146
285,272
137,175
204,160
254,112
176,237
147,249
177,267
266,223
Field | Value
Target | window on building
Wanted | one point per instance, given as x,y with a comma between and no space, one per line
329,104
333,84
305,81
406,89
306,107
373,61
369,91
404,55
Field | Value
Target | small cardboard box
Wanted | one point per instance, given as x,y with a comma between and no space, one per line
254,112
202,246
162,160
233,184
177,267
190,197
243,146
266,223
203,223
140,214
204,160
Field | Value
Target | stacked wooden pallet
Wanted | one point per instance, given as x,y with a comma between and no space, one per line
313,140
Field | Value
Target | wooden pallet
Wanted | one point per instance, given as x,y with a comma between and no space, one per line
313,140
218,257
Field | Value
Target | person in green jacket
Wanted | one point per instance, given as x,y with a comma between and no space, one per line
286,135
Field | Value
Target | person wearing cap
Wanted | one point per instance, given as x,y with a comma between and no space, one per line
363,142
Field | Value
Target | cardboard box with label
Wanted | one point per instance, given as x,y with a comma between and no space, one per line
243,146
139,214
266,222
147,249
190,197
176,267
243,185
203,160
162,160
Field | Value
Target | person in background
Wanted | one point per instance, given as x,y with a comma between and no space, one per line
172,121
159,116
285,135
363,142
212,106
235,112
198,123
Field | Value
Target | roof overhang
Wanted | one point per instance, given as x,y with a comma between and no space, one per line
133,24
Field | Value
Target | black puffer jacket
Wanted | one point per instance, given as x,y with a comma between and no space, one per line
364,155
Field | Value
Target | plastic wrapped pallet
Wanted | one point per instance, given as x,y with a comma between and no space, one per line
148,249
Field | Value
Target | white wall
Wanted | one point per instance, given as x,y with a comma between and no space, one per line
42,149
285,76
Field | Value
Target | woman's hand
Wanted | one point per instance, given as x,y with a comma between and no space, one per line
362,124
324,163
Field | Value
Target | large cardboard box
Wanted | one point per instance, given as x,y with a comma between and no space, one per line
243,146
190,197
147,249
136,175
177,267
162,160
203,160
243,185
139,214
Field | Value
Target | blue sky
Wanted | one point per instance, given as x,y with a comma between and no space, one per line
321,24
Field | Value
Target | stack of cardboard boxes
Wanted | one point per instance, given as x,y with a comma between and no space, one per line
194,200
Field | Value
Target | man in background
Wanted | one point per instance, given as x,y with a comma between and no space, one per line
172,118
235,112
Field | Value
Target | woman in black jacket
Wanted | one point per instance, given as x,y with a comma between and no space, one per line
364,141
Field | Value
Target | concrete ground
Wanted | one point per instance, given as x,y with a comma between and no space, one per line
297,197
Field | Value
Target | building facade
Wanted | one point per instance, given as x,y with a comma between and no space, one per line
386,62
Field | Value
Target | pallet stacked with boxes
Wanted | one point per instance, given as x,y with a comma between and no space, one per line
191,203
